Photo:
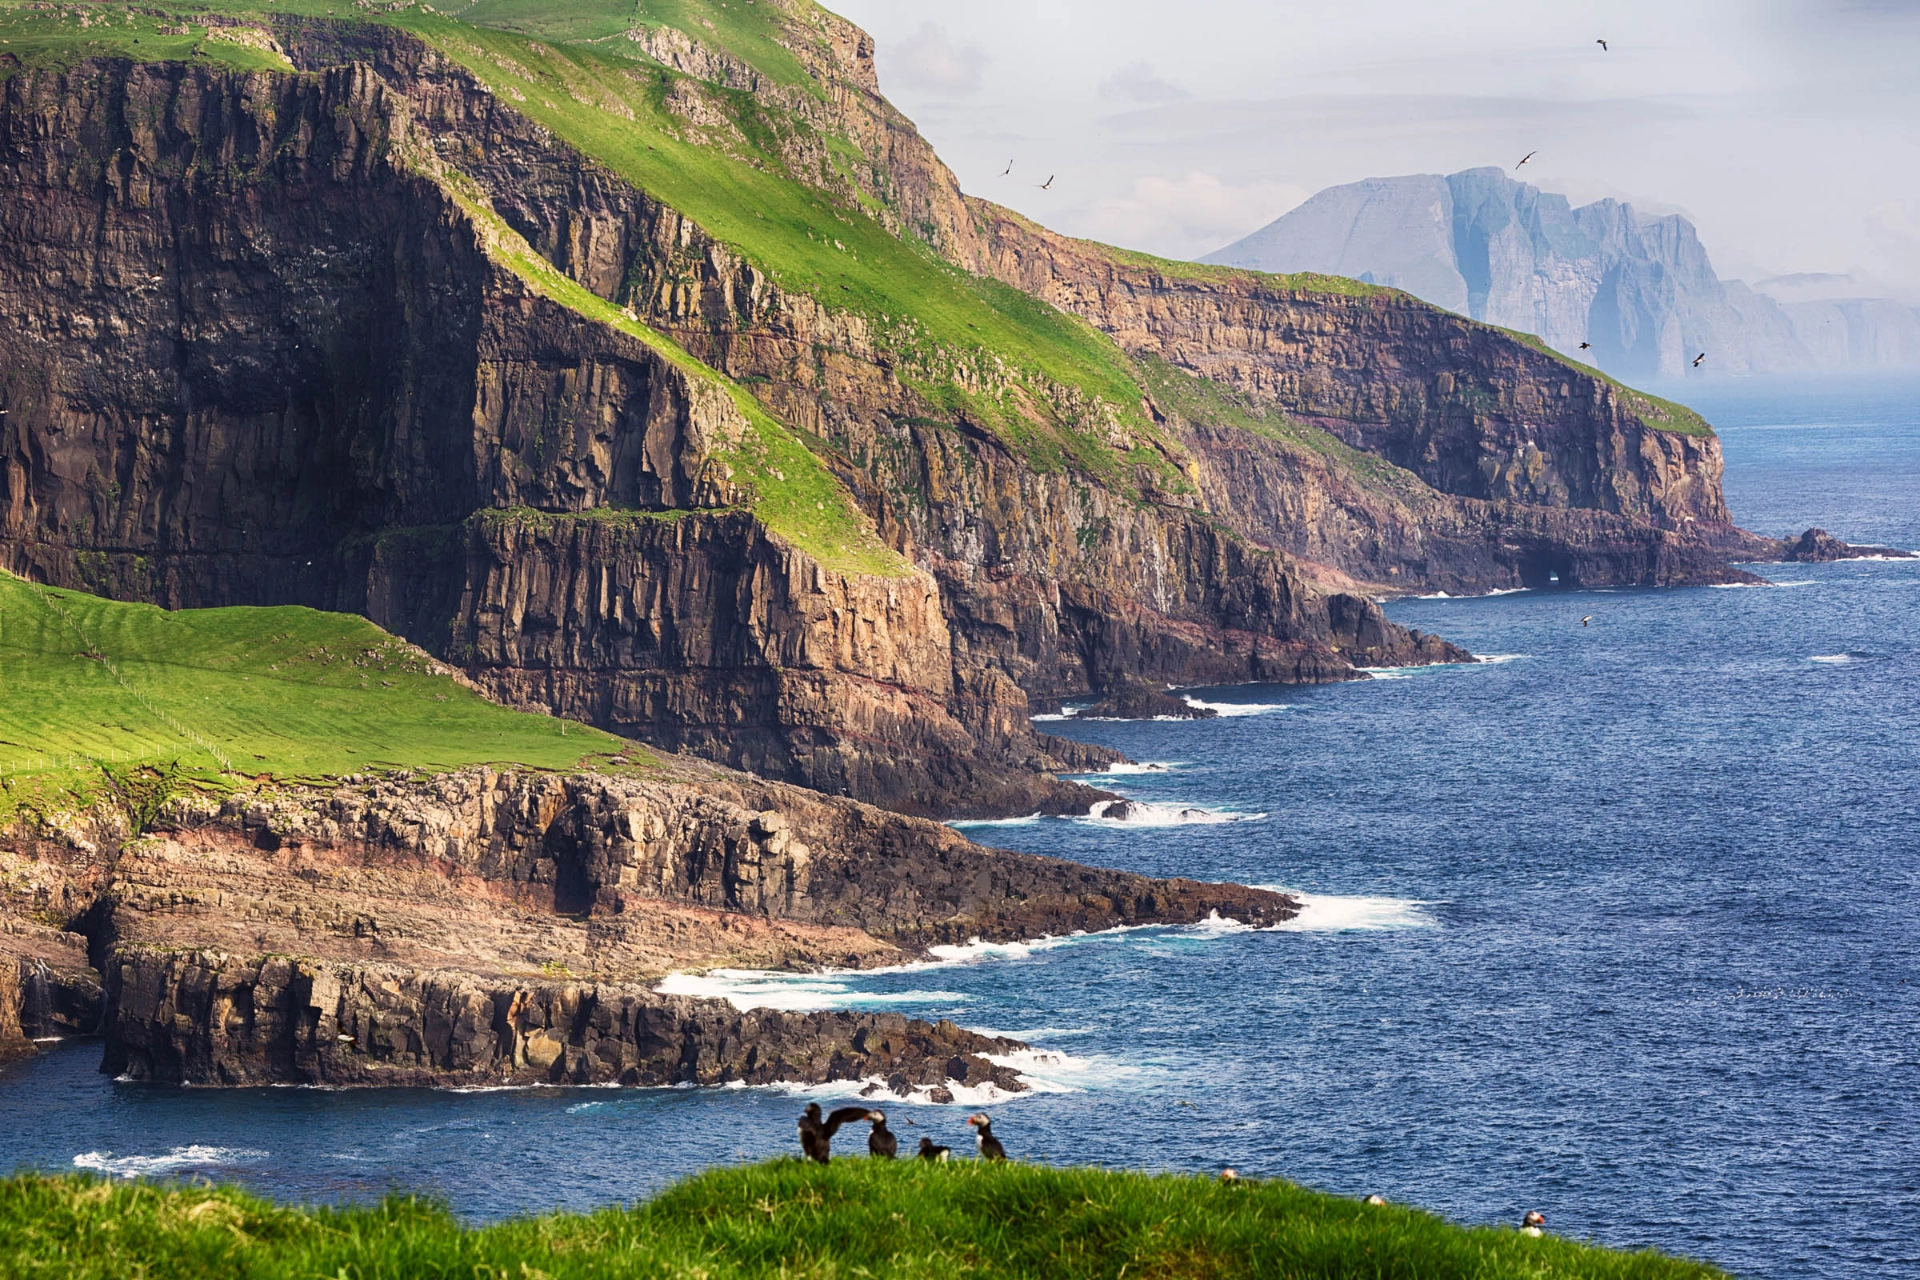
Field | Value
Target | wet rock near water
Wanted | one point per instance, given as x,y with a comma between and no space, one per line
1817,546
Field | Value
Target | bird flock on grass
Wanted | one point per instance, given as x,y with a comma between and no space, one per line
817,1130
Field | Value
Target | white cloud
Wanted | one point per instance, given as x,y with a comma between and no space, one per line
1136,82
929,59
1186,216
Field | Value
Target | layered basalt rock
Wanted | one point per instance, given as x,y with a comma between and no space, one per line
480,927
209,1019
257,354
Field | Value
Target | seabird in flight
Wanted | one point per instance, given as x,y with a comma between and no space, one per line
816,1135
1602,44
1523,159
1585,345
1009,169
1697,359
1584,621
1048,183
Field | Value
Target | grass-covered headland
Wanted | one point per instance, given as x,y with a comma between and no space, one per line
857,1217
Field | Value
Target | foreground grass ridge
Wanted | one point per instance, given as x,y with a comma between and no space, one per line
786,1218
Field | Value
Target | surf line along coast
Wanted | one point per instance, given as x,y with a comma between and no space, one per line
488,927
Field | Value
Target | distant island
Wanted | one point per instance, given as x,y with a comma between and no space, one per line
1632,293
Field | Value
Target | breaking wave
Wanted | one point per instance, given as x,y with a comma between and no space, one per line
790,993
1235,708
1142,813
1841,659
190,1157
1342,913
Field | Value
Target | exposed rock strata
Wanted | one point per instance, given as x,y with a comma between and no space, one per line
256,354
208,1019
479,927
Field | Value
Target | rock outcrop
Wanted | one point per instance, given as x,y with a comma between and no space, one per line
209,1019
1817,546
479,927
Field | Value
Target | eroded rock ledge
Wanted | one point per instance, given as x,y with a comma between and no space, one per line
486,927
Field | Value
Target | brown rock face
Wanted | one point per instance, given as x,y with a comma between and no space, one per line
478,927
277,1021
255,354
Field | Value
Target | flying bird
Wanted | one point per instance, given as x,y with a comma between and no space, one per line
816,1135
1523,159
1585,345
1047,183
1584,621
1009,169
881,1141
1602,44
1697,359
990,1148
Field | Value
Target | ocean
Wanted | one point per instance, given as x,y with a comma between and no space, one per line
1620,926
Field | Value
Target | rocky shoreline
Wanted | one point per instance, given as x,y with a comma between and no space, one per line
485,927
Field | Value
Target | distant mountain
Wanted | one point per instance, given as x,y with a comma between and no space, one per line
1639,289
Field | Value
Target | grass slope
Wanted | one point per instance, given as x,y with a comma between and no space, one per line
288,692
788,1219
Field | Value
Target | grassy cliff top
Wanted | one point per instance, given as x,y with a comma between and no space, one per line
288,692
856,1217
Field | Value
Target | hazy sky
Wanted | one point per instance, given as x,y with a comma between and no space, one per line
1788,130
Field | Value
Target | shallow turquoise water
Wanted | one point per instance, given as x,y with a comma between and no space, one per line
1621,928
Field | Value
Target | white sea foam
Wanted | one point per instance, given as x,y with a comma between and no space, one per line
1741,586
190,1157
791,993
963,824
1838,659
1141,766
1341,913
1495,659
1485,595
1234,708
1141,813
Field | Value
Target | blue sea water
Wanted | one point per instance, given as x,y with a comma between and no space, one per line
1621,927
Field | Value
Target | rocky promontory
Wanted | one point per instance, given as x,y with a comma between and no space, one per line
488,927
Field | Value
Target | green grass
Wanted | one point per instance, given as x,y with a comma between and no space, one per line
793,492
56,36
855,1218
287,692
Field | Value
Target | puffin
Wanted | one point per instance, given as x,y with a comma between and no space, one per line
1534,1224
881,1142
928,1151
990,1148
816,1134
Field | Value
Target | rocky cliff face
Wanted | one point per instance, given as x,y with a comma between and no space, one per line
479,927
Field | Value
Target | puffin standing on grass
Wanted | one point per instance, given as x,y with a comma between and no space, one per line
816,1135
881,1142
1534,1224
928,1151
990,1148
